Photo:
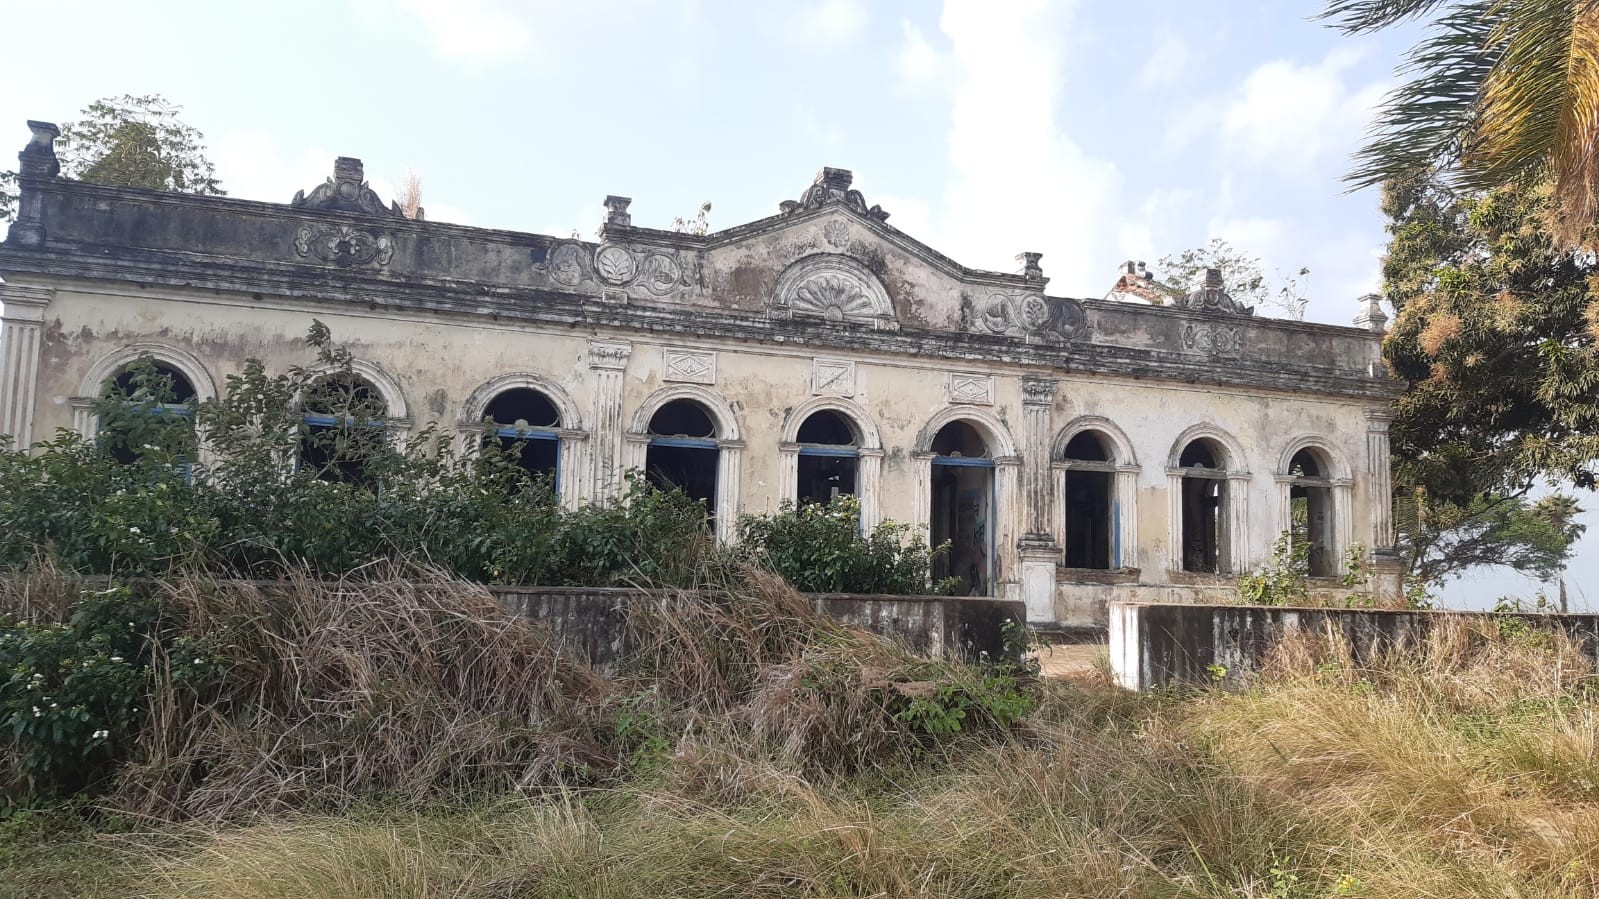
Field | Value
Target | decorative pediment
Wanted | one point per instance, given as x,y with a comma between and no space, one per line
647,271
832,186
835,288
346,191
1213,297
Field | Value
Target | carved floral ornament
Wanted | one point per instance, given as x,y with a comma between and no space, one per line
656,271
343,245
834,288
1213,338
1030,316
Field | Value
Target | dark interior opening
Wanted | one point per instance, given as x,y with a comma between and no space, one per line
1088,519
828,464
684,454
523,407
178,390
962,509
1087,447
524,415
683,418
1204,509
960,440
827,428
1310,508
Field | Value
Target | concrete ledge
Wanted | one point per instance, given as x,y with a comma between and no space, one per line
592,621
1158,645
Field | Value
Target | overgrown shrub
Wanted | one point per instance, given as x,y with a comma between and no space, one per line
142,499
819,548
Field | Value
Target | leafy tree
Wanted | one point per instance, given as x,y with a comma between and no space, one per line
1499,91
1494,335
128,141
1442,539
1242,273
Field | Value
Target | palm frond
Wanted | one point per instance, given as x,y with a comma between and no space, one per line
1427,119
1361,16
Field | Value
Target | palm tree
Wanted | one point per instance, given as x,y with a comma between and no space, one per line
1498,91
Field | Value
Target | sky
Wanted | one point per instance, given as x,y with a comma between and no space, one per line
1094,131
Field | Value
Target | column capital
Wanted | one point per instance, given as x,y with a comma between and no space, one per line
609,354
1039,391
1377,419
23,303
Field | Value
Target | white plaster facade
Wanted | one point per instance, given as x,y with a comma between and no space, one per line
891,336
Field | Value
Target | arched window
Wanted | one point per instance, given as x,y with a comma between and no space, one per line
1310,507
524,416
1205,536
962,507
156,411
343,427
1091,531
683,452
829,457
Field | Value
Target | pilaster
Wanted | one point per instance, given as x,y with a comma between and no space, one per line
1038,401
607,360
21,337
1380,478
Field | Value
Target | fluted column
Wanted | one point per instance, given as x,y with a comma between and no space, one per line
608,362
869,485
1380,478
21,334
1038,401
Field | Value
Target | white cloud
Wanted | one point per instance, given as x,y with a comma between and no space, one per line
1168,63
251,166
475,30
1149,233
828,24
920,63
1020,182
1287,116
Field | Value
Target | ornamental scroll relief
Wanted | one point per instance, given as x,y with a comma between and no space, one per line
653,271
344,246
1215,339
1032,317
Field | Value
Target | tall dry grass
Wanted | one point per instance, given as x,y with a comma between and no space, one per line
1463,768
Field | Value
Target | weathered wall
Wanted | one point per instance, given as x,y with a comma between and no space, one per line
822,306
1161,645
593,622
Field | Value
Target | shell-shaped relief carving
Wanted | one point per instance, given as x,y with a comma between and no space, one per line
834,288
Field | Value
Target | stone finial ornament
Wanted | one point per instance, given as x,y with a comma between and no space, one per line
38,158
832,186
616,210
1213,297
1031,270
1371,317
346,191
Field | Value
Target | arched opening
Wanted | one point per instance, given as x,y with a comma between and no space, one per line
525,422
1310,511
156,409
343,428
1204,506
962,507
683,452
829,457
1091,529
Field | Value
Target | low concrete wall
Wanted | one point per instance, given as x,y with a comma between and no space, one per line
593,621
1084,602
1156,645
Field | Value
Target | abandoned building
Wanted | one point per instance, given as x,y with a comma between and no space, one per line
1072,451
